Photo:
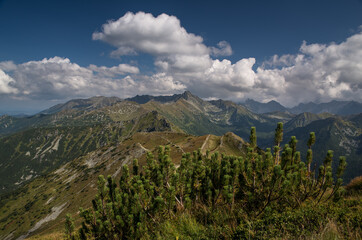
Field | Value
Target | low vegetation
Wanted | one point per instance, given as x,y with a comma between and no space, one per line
355,186
262,195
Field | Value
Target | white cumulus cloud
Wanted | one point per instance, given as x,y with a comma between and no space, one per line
223,49
318,72
142,32
5,81
58,78
163,37
121,69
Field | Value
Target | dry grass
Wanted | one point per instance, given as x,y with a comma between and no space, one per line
354,186
330,232
49,236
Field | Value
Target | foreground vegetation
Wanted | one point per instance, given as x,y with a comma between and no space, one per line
264,195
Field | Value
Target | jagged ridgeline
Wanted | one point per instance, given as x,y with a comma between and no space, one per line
206,187
49,162
83,122
65,136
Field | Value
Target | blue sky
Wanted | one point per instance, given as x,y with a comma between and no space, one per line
265,51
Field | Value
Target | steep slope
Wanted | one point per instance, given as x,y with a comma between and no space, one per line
281,116
114,120
7,124
356,119
83,104
35,152
41,205
188,116
163,99
343,137
342,108
75,112
142,99
335,107
196,116
242,119
304,119
258,107
85,138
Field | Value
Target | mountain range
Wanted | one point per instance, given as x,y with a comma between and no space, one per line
343,108
50,161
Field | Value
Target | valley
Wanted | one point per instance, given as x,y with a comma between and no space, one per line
49,162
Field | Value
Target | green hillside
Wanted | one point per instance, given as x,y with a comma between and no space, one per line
343,137
37,151
40,206
303,119
181,113
49,162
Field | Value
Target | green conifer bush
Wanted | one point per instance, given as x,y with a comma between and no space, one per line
209,188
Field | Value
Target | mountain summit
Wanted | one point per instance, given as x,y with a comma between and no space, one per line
83,104
142,99
343,108
259,107
61,133
60,152
335,107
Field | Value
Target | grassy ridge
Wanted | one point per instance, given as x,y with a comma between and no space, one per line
74,184
221,198
35,152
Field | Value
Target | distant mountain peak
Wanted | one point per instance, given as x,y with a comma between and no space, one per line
187,94
87,103
142,99
223,104
258,107
335,107
273,102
